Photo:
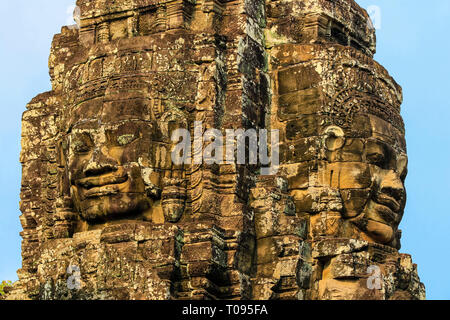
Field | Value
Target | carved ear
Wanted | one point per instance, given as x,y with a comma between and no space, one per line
396,243
171,120
174,196
64,180
333,138
174,193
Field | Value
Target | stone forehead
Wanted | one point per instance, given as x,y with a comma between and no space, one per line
385,131
344,107
344,82
104,111
99,126
98,8
315,127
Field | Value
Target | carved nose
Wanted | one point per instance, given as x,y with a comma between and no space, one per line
393,187
100,164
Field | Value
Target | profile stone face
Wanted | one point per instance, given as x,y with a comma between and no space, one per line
354,135
101,194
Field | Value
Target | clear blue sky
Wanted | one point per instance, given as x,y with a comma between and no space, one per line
413,44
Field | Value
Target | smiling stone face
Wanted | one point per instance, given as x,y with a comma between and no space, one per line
114,156
100,193
384,207
106,162
372,189
344,152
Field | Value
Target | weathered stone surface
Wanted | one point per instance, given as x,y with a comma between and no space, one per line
102,198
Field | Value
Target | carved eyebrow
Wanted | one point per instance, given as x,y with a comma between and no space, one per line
81,130
124,122
126,133
379,145
387,148
375,148
124,128
81,135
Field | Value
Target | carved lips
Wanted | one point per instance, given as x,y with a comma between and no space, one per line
388,208
103,185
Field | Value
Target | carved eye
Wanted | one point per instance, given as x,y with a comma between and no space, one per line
81,143
377,158
126,139
80,147
124,134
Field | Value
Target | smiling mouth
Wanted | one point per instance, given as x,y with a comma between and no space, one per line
94,187
388,201
385,215
387,208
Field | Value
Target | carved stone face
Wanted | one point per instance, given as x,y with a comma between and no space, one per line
345,150
113,160
372,189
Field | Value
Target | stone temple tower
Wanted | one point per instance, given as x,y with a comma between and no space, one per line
108,214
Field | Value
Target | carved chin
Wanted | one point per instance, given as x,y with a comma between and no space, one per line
380,232
112,207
